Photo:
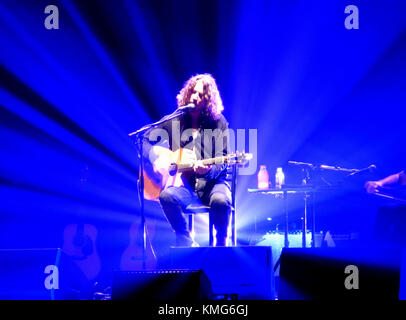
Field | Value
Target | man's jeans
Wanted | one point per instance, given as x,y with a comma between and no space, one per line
175,199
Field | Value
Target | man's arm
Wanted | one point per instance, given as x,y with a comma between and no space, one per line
156,153
402,177
223,139
397,178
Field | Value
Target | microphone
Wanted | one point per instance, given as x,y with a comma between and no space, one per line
370,168
187,107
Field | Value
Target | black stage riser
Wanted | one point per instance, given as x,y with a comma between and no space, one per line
168,285
320,273
243,272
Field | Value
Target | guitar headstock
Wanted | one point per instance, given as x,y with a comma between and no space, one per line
240,158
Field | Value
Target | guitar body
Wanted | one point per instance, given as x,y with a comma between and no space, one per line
170,170
156,182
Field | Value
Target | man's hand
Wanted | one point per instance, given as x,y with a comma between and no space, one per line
161,165
164,160
201,169
188,156
373,186
402,177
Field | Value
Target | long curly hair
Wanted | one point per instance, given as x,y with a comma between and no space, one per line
212,100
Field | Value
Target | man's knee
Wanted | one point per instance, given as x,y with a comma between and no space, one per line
219,201
167,196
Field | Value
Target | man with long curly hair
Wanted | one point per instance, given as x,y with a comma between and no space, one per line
206,184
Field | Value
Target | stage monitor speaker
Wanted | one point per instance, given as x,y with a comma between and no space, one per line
40,274
243,272
339,273
171,285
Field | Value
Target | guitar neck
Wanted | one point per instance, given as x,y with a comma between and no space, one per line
187,166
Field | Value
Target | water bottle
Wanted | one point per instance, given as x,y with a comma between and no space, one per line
279,178
263,178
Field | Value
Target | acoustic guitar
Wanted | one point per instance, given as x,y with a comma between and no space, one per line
177,171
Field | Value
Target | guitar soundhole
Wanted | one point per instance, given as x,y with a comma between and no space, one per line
172,169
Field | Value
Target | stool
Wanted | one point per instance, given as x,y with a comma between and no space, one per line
193,209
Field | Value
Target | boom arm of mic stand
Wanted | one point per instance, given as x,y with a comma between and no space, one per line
171,116
336,168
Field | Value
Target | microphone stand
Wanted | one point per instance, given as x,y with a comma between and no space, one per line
139,136
305,181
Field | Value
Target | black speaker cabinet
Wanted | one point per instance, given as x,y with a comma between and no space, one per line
339,273
171,285
40,274
244,272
